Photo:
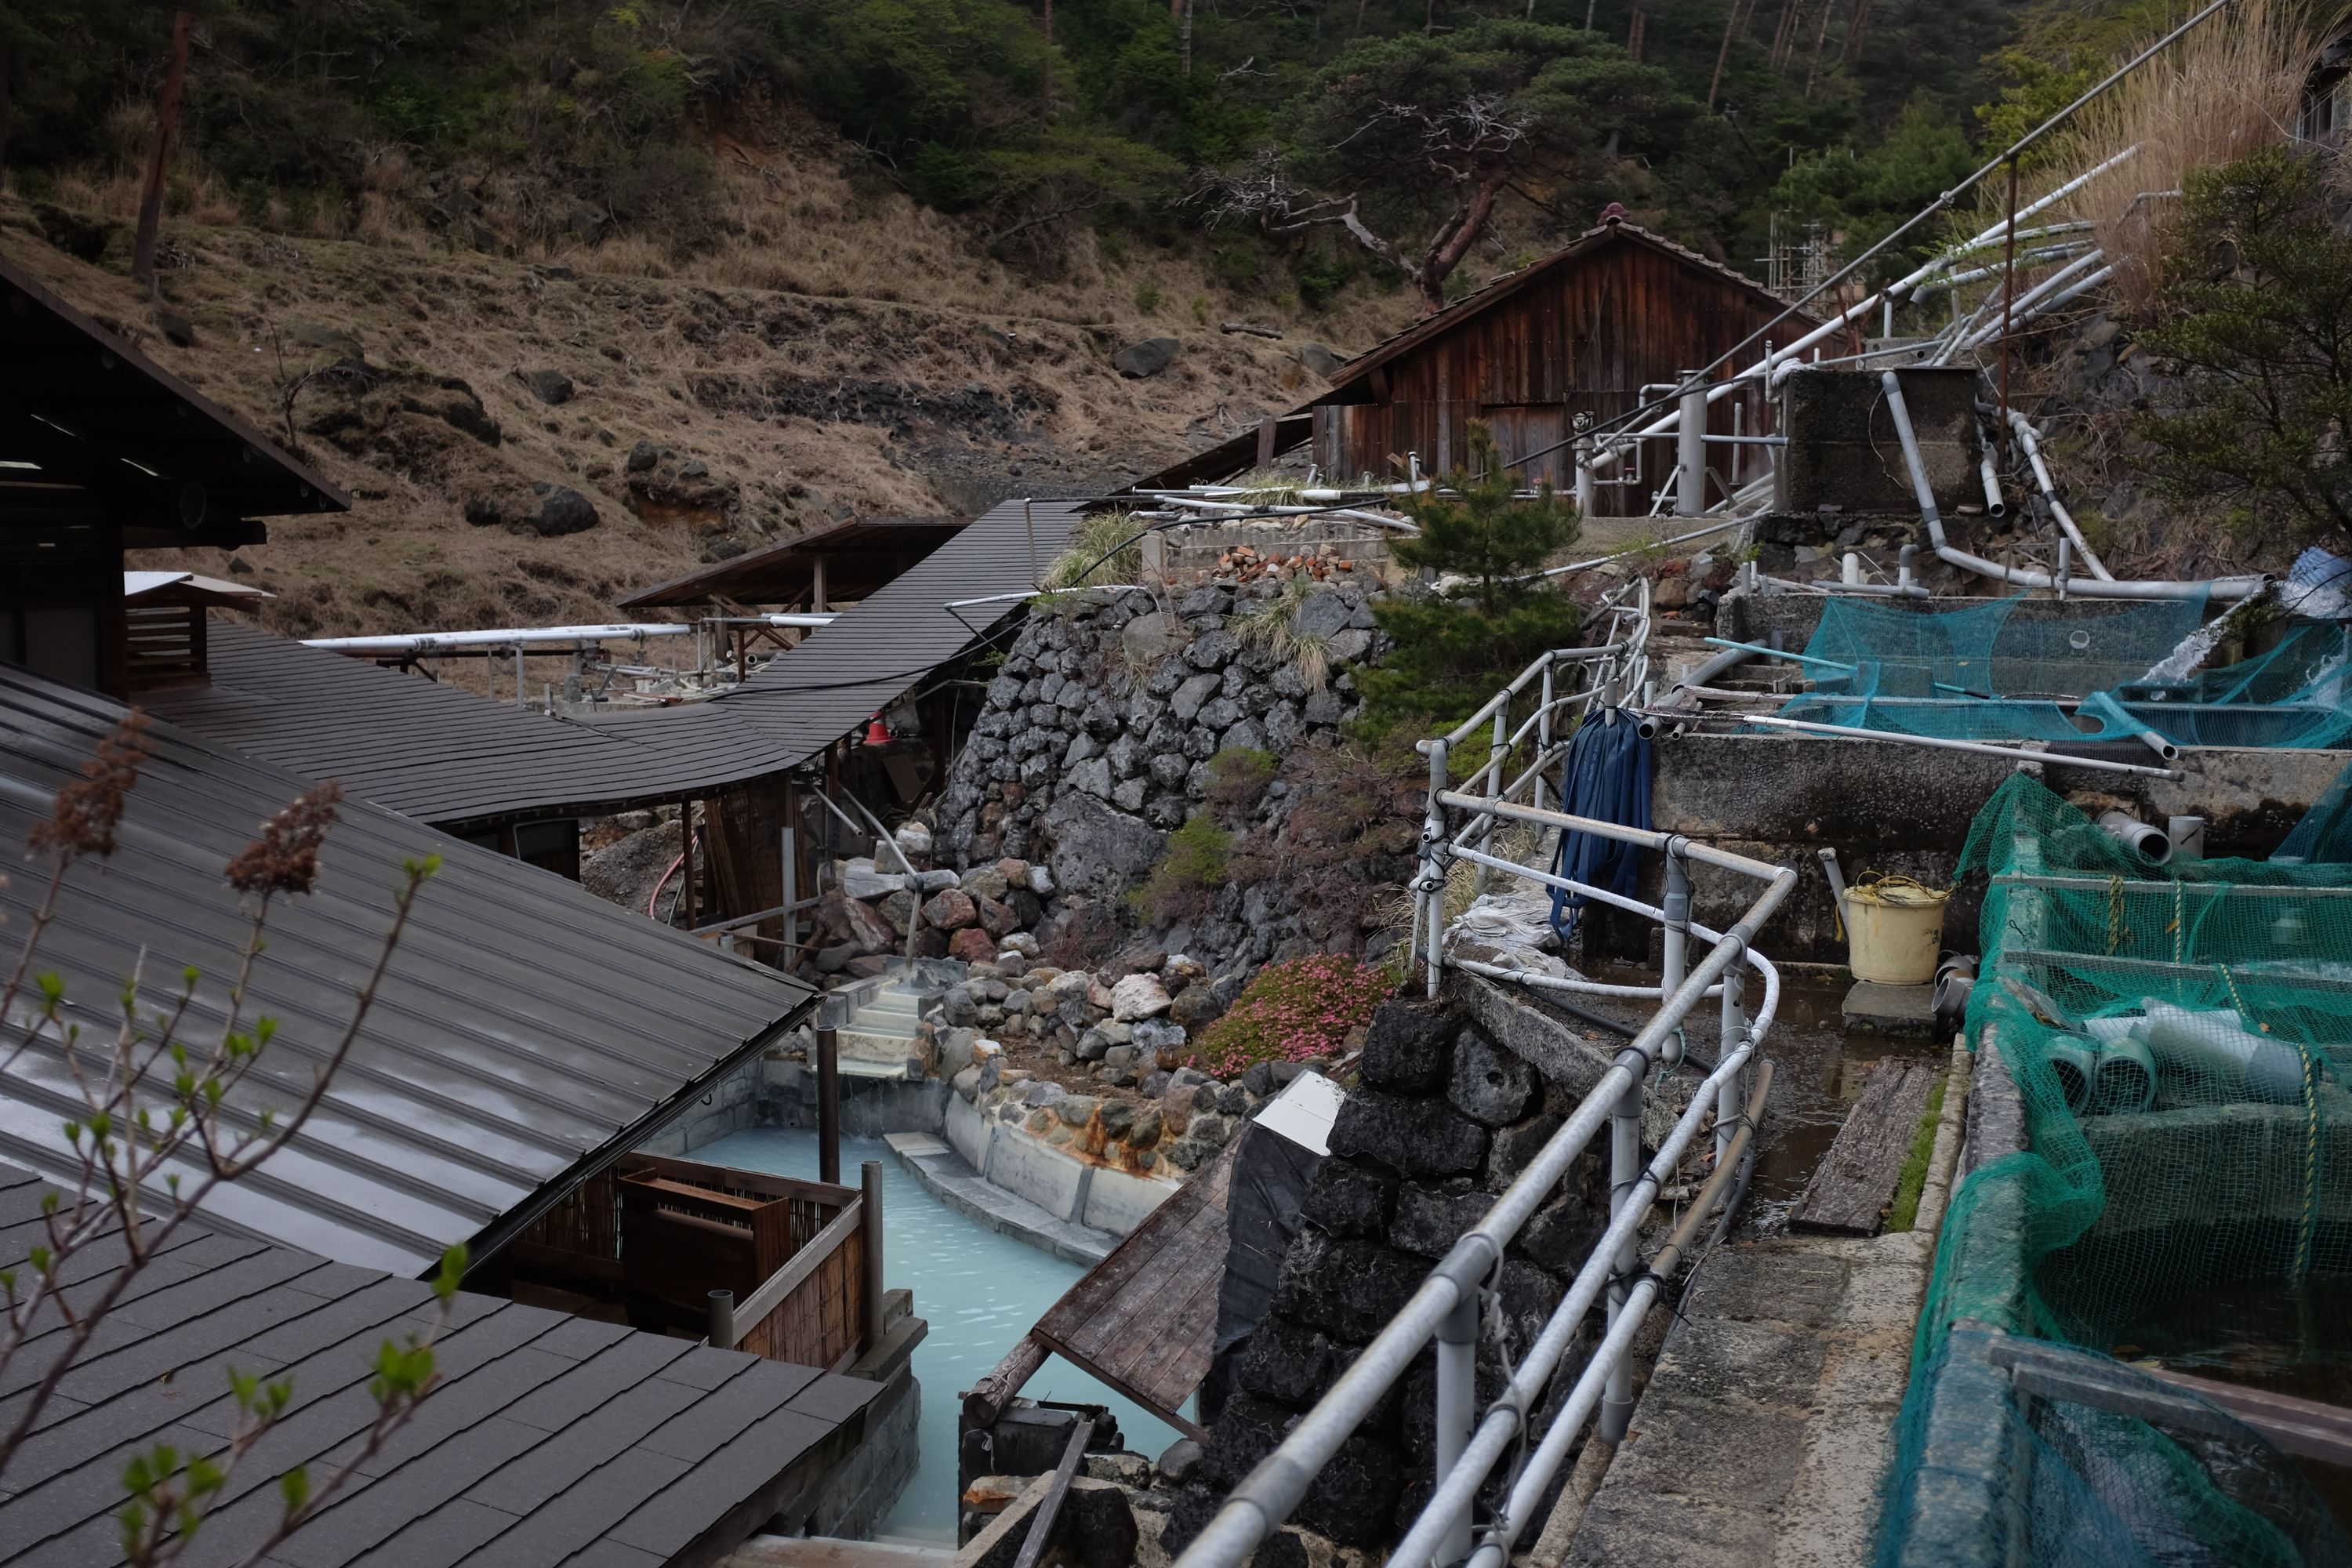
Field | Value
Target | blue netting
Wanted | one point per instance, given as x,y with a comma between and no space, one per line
2089,671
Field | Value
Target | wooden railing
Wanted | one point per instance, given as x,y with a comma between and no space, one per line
783,1268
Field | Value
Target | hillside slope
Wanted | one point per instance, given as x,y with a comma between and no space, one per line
459,395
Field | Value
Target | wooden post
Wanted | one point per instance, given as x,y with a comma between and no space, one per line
816,586
869,1176
686,892
987,1399
1266,442
167,114
828,1107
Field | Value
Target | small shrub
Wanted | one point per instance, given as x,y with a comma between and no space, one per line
1194,865
1237,778
1294,1011
1146,296
1105,552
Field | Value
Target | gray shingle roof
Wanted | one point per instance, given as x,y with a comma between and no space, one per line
551,1439
871,656
526,1033
443,755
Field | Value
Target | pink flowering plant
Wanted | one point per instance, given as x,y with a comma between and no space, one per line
1294,1011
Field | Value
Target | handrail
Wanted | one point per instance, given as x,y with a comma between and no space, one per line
1468,1455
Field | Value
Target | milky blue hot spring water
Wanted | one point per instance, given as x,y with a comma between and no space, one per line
981,1292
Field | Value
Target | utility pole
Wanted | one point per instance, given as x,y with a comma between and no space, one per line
167,113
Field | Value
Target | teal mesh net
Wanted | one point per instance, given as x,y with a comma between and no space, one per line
2173,1048
2011,670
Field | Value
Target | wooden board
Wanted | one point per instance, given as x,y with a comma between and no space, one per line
1144,1320
1855,1180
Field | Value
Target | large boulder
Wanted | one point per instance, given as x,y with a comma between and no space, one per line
1097,849
1147,358
562,511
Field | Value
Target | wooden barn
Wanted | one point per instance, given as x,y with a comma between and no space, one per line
1596,328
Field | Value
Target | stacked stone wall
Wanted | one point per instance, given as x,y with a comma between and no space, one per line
1444,1118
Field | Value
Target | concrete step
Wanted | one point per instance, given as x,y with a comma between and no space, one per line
865,1054
886,1027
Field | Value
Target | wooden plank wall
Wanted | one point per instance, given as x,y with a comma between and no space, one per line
1587,336
821,1321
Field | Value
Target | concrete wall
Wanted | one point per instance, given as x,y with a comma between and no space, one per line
1844,452
1187,555
771,1091
1065,1186
1891,808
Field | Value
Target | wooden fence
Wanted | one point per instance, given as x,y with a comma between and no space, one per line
665,1233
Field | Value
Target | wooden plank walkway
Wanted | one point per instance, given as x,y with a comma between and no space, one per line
1145,1319
1855,1180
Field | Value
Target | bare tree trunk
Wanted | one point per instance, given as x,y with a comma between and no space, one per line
1820,36
1359,18
1429,17
1635,27
1184,32
1722,55
167,114
1786,31
1856,30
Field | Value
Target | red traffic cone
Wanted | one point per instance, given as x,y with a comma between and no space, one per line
878,734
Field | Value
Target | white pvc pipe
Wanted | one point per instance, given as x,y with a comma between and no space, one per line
616,631
1942,743
2025,577
2029,440
2023,310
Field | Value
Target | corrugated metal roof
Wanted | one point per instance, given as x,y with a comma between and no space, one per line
443,755
862,663
526,1033
548,1434
860,556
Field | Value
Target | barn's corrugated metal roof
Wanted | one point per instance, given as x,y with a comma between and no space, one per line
547,1436
443,755
526,1033
869,658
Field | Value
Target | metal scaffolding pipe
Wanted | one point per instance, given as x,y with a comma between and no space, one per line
2029,440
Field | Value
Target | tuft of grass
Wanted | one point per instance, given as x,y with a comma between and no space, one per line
2229,88
1274,626
1294,1011
1104,551
1196,862
1908,1185
1237,779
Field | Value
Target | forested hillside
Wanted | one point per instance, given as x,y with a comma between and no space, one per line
1245,130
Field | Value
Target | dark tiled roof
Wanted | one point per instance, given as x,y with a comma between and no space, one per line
551,1439
526,1033
860,556
443,755
870,657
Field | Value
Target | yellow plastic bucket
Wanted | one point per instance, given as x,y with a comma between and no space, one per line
1894,930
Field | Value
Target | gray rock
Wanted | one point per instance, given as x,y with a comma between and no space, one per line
1412,1137
1147,358
1187,700
1407,1046
562,511
1429,1220
1077,1110
549,386
1322,615
1213,650
1096,849
176,329
1250,735
1489,1085
1043,1091
1220,713
1150,637
859,880
1129,796
1349,647
1093,776
642,456
1320,360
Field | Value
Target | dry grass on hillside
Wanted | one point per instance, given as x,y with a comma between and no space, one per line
2227,90
973,381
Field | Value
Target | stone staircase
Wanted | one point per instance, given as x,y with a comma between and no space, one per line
878,1022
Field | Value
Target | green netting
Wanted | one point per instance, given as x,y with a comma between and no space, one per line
2325,832
2174,1043
2088,670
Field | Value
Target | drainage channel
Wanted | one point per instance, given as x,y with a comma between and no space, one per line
979,1291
